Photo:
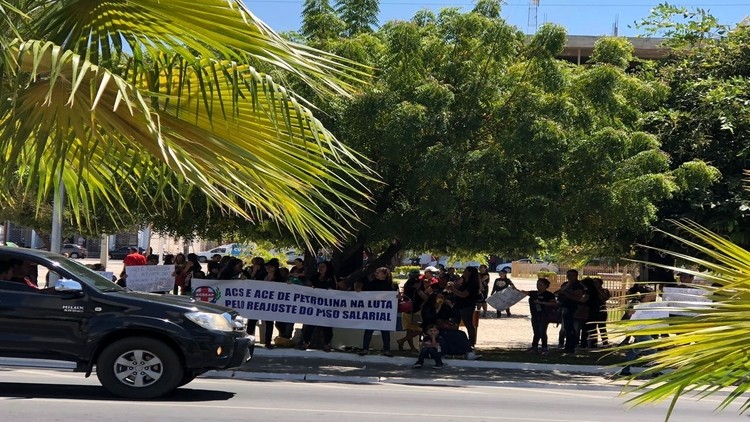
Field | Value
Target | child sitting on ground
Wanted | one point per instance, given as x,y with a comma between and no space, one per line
430,348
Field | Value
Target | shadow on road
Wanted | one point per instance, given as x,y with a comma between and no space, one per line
94,392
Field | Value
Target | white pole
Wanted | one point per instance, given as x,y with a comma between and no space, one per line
104,255
58,205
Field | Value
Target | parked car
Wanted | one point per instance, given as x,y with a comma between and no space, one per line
538,265
233,249
460,265
119,253
142,345
74,251
221,250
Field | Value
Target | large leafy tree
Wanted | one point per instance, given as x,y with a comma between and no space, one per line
706,117
488,143
147,100
319,21
359,16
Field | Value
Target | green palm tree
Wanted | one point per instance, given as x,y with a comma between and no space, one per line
104,96
709,350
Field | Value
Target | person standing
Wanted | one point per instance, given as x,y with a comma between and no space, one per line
484,289
297,274
465,292
541,301
133,258
382,282
273,274
571,295
325,278
183,270
414,291
502,283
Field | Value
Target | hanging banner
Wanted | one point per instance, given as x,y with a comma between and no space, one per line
269,301
505,298
150,278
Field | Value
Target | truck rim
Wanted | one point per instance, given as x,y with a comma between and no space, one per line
138,368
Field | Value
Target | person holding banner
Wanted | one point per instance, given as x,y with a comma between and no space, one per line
382,282
297,273
324,279
285,328
501,283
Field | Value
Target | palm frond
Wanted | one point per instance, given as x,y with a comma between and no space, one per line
205,29
710,349
265,156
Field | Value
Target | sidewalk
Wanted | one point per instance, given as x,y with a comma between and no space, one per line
313,365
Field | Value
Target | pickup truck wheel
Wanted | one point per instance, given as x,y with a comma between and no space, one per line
139,368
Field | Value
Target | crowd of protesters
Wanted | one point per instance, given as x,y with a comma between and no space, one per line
440,301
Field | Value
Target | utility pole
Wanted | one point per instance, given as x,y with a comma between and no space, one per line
533,20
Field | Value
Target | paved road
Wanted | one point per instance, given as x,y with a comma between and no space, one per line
47,395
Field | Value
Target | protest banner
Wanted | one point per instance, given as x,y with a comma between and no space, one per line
505,298
269,301
685,298
106,274
150,278
682,294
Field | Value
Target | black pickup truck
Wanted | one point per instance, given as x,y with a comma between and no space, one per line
143,345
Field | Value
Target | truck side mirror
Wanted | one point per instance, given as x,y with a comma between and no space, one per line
68,286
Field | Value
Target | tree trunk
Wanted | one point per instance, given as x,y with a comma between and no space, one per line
383,260
349,259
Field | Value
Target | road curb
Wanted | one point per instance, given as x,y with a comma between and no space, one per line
408,361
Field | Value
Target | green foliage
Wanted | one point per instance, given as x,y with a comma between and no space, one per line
319,21
488,143
682,26
405,269
359,16
488,8
127,111
615,51
704,124
549,275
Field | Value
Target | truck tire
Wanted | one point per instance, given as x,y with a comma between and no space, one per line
139,368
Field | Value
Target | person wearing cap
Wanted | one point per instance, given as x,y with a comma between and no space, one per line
414,291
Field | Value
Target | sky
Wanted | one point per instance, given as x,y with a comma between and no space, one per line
580,17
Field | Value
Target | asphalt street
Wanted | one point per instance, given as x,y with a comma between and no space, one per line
54,395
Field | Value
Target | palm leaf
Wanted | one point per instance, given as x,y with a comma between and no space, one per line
710,350
226,29
265,156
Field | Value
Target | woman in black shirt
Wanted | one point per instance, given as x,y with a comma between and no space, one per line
541,301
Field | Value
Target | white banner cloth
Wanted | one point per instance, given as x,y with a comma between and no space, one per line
685,298
505,298
150,278
269,301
